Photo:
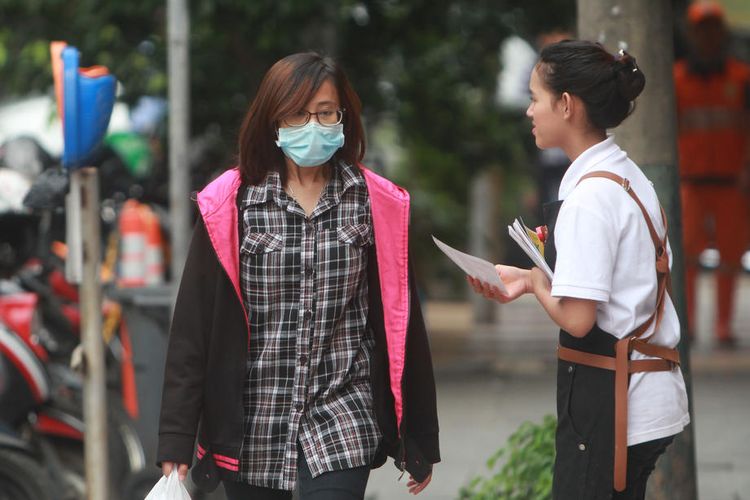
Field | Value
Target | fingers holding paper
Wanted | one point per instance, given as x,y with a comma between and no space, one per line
517,282
485,289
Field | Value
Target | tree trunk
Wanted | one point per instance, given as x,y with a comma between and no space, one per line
483,234
644,28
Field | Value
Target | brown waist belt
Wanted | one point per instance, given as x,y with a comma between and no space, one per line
623,366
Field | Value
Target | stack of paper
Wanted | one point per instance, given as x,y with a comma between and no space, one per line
530,243
473,266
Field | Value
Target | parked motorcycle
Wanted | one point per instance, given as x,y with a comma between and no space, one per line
41,422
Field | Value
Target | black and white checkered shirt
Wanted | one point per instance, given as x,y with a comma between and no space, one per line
304,282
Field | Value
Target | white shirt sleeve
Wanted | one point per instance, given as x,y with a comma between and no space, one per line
586,244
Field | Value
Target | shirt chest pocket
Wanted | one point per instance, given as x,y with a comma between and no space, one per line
262,243
357,235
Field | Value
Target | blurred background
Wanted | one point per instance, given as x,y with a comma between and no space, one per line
444,89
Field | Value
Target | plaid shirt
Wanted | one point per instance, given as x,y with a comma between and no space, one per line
304,282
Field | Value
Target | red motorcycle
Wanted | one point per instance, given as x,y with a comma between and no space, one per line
41,420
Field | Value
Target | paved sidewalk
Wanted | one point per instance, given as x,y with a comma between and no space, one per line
478,412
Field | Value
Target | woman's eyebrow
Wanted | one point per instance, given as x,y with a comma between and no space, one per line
325,103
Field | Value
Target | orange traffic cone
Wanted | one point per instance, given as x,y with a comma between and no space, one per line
132,246
154,252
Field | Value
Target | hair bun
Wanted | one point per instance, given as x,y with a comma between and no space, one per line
629,77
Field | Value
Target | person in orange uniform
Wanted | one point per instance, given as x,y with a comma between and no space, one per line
713,104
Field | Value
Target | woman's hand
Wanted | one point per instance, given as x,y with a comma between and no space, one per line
516,280
416,488
166,469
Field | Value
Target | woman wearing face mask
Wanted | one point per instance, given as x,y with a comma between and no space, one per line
297,354
620,396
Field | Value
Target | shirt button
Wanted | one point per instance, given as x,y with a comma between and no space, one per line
308,315
570,369
309,271
582,447
302,359
299,406
309,228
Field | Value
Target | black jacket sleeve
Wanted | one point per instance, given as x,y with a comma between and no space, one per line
420,413
185,370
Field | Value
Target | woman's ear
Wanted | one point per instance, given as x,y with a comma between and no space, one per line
567,103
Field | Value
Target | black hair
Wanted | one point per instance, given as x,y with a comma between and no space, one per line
607,84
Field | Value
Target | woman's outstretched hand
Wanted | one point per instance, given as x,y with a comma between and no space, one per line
517,281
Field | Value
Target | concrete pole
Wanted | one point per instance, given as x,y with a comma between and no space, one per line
644,28
94,371
178,31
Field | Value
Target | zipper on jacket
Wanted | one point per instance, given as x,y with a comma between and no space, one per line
401,462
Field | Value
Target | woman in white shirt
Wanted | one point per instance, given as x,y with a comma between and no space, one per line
608,248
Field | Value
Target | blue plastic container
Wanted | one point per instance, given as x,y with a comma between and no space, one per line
88,103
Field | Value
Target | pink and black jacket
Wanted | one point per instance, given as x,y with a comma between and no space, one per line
209,338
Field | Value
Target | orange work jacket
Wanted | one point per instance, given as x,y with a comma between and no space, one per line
712,112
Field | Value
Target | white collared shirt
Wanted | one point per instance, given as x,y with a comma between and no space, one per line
605,253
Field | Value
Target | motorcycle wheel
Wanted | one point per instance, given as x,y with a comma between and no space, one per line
124,454
21,478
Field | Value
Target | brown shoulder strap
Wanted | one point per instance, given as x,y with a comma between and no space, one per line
660,245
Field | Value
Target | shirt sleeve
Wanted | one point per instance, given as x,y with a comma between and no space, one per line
586,245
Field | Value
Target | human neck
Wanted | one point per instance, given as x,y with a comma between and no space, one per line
306,176
580,142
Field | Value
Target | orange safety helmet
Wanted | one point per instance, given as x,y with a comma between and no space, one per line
704,9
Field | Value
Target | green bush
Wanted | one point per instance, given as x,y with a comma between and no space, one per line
526,471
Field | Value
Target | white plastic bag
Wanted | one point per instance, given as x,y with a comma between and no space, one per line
169,488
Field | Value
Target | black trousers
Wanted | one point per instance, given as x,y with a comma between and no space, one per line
641,462
584,442
347,484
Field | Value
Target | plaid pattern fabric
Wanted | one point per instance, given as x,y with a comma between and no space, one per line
305,288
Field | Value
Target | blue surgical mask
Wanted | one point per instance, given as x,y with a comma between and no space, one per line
312,144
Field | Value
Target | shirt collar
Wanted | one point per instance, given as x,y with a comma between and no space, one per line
348,176
262,192
586,162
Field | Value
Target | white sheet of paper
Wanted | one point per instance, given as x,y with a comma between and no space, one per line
473,266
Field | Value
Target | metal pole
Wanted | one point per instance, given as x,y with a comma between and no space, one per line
94,385
644,27
178,29
73,230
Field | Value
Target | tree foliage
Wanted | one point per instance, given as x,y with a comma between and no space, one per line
427,67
